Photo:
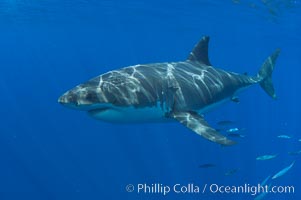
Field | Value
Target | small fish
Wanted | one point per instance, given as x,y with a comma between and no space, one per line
225,123
294,153
236,135
266,157
230,172
265,187
264,182
284,136
232,130
263,194
283,171
207,165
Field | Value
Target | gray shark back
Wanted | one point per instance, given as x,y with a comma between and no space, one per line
183,85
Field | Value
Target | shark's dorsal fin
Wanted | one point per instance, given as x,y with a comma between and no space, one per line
200,52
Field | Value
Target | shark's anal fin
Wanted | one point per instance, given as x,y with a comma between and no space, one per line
198,124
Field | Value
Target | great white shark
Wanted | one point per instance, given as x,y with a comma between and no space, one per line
180,91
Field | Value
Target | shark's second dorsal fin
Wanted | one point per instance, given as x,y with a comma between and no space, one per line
200,52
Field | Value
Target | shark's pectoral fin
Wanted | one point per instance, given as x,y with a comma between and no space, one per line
198,124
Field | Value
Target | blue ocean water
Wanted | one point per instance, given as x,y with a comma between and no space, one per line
50,152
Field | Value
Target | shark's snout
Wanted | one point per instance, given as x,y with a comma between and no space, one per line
82,97
69,98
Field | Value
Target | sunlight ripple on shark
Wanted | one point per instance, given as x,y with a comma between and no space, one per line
180,91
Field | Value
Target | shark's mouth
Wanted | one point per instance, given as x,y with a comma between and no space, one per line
98,110
108,114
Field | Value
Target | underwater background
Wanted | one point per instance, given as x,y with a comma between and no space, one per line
51,152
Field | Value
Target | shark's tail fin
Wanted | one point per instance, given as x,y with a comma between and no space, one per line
265,74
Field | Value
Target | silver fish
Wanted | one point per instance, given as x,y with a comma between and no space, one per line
266,157
284,136
233,130
264,182
283,171
263,194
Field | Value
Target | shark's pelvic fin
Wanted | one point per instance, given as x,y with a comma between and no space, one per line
265,74
235,99
200,52
198,124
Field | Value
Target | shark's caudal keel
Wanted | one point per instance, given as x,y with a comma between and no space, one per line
175,91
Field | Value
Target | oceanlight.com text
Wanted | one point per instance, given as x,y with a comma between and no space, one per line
250,189
192,188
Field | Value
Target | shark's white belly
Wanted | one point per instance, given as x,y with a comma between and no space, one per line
130,114
139,115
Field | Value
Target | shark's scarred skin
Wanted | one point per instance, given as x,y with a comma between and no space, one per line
180,91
